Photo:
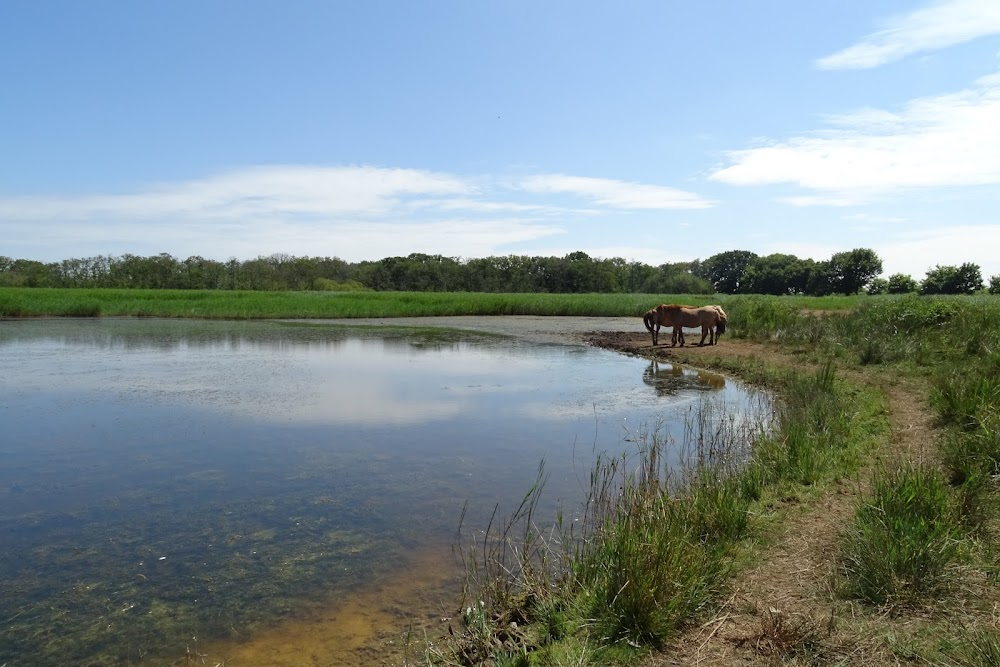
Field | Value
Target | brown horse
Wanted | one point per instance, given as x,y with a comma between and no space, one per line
711,319
662,315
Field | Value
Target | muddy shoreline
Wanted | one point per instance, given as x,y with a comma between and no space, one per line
624,334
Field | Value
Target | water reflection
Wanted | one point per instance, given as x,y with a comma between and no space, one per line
163,478
670,379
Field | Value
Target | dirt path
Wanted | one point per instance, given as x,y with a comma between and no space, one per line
783,611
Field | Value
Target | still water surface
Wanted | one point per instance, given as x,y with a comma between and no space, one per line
164,483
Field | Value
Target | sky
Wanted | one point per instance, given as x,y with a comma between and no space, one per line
648,130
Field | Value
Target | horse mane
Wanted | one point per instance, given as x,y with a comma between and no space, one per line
723,321
648,318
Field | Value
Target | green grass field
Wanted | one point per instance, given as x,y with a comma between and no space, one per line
46,302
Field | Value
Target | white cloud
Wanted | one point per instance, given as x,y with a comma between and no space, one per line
816,251
874,218
933,27
947,140
354,213
613,193
349,240
254,192
825,200
477,206
916,252
451,238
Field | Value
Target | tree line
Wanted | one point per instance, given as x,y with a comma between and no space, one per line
731,272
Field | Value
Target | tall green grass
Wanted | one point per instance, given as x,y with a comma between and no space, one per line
30,302
655,552
904,539
654,546
977,648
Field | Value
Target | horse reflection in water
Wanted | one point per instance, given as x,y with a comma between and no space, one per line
668,379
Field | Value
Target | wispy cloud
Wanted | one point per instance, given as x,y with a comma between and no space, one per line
913,253
877,219
353,212
479,206
614,193
947,140
934,27
254,192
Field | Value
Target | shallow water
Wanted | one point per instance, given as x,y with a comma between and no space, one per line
255,488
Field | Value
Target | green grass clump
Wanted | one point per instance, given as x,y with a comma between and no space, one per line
656,556
980,648
904,539
763,317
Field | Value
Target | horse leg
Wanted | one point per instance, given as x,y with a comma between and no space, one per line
704,334
656,333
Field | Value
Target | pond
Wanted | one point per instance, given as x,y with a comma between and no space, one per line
264,491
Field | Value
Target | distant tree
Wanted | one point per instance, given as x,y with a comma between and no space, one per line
964,279
878,286
629,277
726,271
778,274
671,278
505,273
850,271
580,273
994,284
901,283
30,273
201,273
676,279
821,281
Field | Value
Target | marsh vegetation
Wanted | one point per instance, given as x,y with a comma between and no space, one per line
662,555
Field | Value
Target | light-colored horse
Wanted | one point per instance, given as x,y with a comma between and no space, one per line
662,315
711,319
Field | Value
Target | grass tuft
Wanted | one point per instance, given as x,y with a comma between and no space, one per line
904,539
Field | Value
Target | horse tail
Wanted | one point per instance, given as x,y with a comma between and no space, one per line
647,319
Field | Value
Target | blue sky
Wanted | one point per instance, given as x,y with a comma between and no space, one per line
654,131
